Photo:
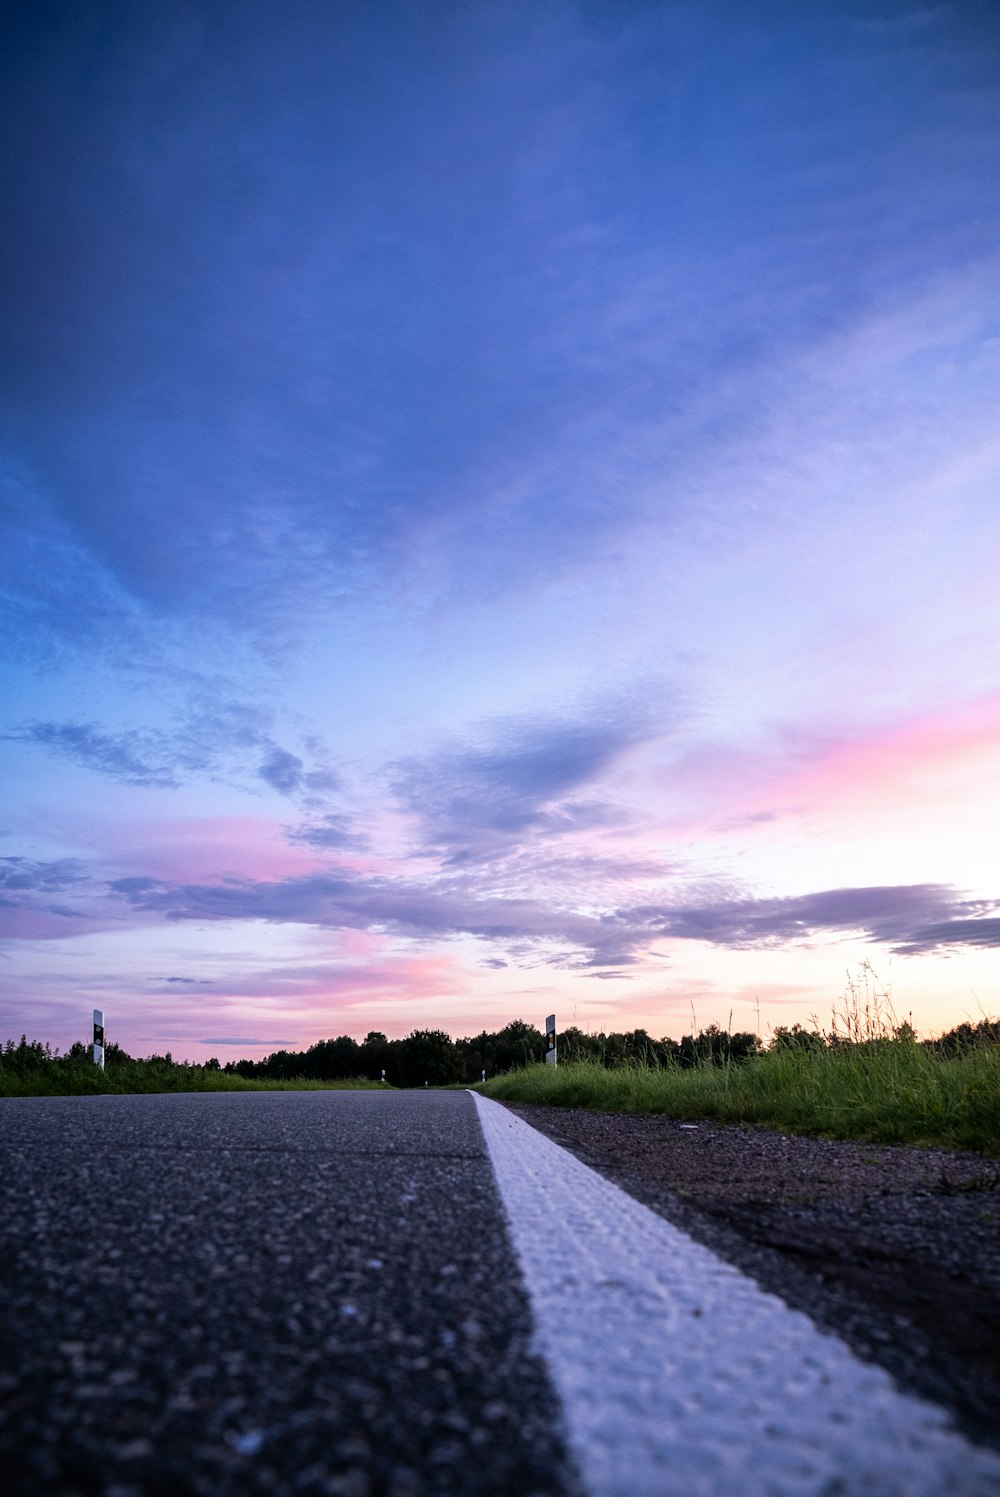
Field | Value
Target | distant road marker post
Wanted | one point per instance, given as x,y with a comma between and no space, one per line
550,1040
97,1049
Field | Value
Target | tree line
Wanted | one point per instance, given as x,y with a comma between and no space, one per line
424,1056
432,1057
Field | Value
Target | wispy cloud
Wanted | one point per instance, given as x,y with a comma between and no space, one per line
283,771
407,908
336,831
524,776
908,918
961,930
28,876
27,887
210,740
134,758
248,1040
287,773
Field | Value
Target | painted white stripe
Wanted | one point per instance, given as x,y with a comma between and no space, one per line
680,1377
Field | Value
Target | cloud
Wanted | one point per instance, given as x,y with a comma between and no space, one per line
238,219
476,798
503,788
56,598
982,931
214,721
26,876
599,936
286,773
334,830
149,757
535,928
211,738
406,908
247,1040
909,918
131,757
283,771
253,436
27,886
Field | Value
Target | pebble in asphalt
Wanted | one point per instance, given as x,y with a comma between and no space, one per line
300,1292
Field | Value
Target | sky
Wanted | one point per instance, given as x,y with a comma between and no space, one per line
501,515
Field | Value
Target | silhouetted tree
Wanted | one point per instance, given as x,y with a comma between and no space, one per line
517,1044
332,1060
966,1036
796,1038
717,1047
575,1045
375,1056
428,1055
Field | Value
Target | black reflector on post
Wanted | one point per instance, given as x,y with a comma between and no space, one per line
550,1040
97,1051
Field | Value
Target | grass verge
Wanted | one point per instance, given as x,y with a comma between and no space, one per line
90,1082
885,1091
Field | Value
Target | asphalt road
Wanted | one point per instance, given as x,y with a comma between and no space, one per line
346,1294
307,1292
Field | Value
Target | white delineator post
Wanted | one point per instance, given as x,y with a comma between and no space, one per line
97,1052
550,1040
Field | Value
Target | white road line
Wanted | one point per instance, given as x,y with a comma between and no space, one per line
680,1377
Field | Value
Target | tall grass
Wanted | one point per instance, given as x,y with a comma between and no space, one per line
883,1090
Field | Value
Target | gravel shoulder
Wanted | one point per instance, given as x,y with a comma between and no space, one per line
895,1249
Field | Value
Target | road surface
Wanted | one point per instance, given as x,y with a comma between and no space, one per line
383,1294
308,1292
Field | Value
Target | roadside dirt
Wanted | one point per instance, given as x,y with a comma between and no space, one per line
896,1250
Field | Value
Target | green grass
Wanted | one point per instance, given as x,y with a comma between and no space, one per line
885,1091
88,1081
33,1069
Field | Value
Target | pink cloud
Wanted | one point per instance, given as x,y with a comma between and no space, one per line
943,763
207,847
311,1001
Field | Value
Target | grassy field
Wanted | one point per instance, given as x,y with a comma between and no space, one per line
885,1091
39,1087
29,1071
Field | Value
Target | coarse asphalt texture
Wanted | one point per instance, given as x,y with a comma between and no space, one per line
297,1292
349,1294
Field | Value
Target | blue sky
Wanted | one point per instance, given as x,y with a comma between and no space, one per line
500,512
